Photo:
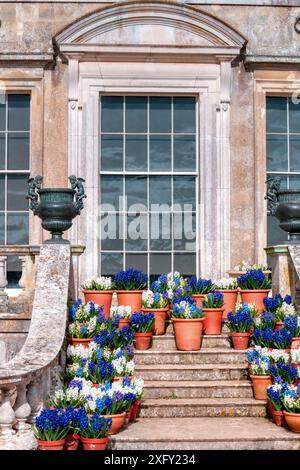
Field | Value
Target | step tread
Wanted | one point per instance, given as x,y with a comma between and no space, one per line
221,366
195,384
195,353
171,335
204,429
203,402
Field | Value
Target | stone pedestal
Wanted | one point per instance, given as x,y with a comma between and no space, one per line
284,275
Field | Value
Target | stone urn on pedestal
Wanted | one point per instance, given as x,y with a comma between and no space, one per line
56,207
285,206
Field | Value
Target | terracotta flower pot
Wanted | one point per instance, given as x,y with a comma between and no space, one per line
188,333
255,297
240,340
124,322
160,316
292,420
230,299
260,384
278,417
51,445
199,299
295,343
101,298
142,341
213,321
119,379
130,297
94,444
72,442
76,341
134,411
117,422
279,325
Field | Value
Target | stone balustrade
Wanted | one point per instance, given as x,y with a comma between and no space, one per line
25,379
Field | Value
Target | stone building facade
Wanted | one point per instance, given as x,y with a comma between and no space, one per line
189,102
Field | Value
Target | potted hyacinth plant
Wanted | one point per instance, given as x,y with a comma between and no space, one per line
229,288
213,310
93,430
124,314
51,428
284,372
137,385
292,325
275,396
291,406
240,324
187,321
142,326
158,304
129,286
84,320
100,291
198,288
254,287
285,309
260,377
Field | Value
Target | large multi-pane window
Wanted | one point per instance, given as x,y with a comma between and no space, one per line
14,170
148,183
283,151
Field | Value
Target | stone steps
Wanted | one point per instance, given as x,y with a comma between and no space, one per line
239,433
201,389
201,407
167,342
203,356
172,372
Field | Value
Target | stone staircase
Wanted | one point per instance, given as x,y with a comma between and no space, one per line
208,396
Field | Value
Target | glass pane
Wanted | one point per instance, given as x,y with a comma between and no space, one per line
2,221
16,193
18,151
294,116
277,156
295,182
136,114
276,114
18,112
185,263
160,263
160,114
185,231
2,192
161,231
112,113
112,232
160,153
275,235
111,188
2,151
160,191
136,191
2,112
184,153
184,114
137,261
14,272
137,233
111,152
17,229
136,153
111,263
294,152
184,193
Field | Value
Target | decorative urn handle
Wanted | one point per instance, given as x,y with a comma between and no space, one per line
273,188
56,207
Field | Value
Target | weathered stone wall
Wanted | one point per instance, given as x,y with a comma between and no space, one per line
28,28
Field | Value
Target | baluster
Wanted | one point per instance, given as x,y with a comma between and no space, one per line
3,284
22,408
23,276
7,414
36,396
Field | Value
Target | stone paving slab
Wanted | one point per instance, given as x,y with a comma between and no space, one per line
205,433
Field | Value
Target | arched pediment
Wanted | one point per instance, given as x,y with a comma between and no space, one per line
153,24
